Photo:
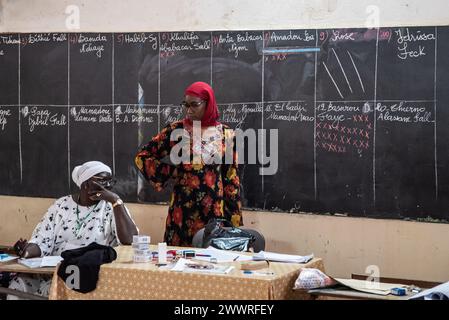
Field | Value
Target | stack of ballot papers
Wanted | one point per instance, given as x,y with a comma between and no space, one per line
48,261
141,247
278,257
184,265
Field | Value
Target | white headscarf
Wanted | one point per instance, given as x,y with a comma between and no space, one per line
87,170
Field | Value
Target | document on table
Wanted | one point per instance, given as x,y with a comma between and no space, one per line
47,261
278,257
4,257
440,292
221,255
184,265
379,288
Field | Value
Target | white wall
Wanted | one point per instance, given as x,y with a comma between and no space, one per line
170,15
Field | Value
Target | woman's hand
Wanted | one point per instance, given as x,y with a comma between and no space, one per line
102,194
19,247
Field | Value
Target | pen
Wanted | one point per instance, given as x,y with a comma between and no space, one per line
268,273
235,259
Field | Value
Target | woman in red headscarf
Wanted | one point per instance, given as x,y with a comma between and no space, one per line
204,188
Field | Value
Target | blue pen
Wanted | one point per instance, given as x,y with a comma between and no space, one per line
268,273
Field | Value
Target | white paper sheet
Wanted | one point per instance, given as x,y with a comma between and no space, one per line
221,255
48,261
278,257
440,292
7,257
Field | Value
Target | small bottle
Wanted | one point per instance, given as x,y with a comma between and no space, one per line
162,253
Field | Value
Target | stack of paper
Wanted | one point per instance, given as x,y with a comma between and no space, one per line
440,292
212,254
141,246
184,265
278,257
369,286
48,261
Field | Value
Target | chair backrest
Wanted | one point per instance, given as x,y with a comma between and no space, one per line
197,241
258,245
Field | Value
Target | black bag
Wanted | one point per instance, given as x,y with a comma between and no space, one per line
221,234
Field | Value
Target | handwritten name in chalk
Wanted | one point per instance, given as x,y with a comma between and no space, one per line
228,39
9,40
40,37
339,36
400,112
246,37
252,109
306,36
2,53
96,111
335,119
43,118
290,116
185,36
233,118
289,106
332,107
236,49
407,46
85,114
59,37
134,109
134,119
138,38
89,47
413,36
173,47
399,107
4,114
84,39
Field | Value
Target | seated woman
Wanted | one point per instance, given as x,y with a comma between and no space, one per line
95,214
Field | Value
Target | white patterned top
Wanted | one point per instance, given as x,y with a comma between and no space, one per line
67,225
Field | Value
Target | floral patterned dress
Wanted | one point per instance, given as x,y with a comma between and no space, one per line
202,190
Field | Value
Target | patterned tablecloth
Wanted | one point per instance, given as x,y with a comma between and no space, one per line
124,279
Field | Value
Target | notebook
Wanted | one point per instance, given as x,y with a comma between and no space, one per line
47,261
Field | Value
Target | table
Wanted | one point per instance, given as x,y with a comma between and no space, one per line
14,267
351,294
124,279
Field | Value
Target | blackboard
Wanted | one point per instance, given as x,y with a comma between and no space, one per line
361,113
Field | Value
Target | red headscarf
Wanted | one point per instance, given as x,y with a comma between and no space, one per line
204,91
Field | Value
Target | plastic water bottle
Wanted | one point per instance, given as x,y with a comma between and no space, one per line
162,252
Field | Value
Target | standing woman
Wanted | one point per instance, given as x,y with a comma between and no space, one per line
202,190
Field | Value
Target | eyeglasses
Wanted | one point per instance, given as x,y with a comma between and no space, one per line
193,104
105,182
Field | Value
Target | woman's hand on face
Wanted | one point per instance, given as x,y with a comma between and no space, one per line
102,194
